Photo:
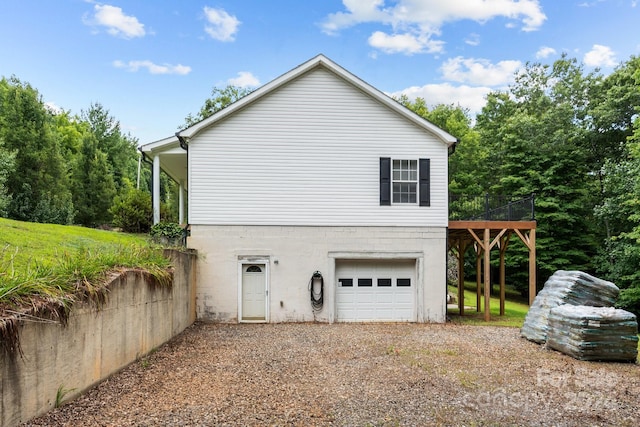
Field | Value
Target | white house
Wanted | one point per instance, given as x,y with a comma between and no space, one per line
316,197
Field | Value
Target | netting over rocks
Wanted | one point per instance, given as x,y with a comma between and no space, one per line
566,287
593,333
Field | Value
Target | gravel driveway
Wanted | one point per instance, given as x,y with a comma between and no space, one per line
357,375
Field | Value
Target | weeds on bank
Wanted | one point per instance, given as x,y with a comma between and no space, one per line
72,275
60,395
46,268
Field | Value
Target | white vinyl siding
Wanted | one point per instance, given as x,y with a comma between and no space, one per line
308,154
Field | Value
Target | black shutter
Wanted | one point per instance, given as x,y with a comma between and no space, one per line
385,181
425,182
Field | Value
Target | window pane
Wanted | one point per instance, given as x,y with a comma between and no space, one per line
384,282
365,282
403,282
396,192
345,282
404,192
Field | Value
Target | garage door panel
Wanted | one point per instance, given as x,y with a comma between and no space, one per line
404,298
375,294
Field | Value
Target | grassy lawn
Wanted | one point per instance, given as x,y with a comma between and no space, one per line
514,311
56,262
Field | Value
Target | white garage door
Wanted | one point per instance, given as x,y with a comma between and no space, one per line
375,290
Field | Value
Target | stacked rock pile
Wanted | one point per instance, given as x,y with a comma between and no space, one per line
574,314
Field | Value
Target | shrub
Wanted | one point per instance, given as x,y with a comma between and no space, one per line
167,233
630,300
133,212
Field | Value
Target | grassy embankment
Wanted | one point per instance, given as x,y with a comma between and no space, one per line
55,264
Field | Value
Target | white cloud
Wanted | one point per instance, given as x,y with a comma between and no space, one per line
545,52
479,71
244,79
471,98
223,27
134,66
600,56
473,39
404,43
116,22
590,4
53,107
423,20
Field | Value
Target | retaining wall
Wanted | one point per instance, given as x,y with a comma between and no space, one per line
96,343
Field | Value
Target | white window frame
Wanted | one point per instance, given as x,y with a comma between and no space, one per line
415,181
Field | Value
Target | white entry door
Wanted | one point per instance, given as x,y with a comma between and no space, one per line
254,292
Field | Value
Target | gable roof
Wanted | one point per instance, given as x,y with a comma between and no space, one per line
326,63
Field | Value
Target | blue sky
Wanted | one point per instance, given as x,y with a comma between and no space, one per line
151,63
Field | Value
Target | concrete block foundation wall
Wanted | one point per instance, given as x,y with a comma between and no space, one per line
96,343
293,253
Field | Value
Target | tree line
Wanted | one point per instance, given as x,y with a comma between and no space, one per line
569,136
56,167
572,138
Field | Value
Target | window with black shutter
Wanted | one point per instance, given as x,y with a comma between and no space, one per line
405,181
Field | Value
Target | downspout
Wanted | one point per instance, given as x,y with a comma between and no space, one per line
450,151
150,163
183,144
186,231
452,148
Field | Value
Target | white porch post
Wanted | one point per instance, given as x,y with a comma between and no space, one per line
156,189
181,203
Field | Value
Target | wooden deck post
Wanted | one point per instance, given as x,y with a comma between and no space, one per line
478,278
504,242
487,274
462,248
494,233
532,265
530,242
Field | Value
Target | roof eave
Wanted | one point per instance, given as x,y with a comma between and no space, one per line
159,145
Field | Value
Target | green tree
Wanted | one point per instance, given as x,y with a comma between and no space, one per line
619,257
467,163
220,98
40,191
70,131
121,149
94,188
132,212
7,162
535,134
